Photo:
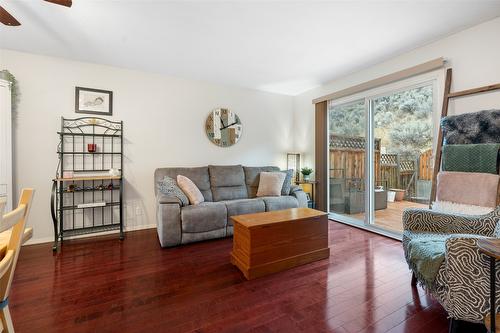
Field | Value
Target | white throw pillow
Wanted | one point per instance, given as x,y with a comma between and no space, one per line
456,208
270,184
190,189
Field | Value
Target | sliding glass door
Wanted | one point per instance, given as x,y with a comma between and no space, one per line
371,185
403,153
347,158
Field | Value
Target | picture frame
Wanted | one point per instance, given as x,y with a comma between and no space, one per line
93,101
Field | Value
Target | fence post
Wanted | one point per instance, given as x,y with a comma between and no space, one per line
398,173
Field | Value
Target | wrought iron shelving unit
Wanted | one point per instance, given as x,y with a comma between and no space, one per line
91,200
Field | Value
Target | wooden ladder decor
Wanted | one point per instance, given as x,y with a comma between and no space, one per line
444,112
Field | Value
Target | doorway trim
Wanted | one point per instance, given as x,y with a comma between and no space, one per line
436,78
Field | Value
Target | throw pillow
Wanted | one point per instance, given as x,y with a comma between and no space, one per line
270,184
287,183
168,186
190,189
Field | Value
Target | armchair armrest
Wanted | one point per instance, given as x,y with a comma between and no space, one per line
301,196
468,274
425,220
168,220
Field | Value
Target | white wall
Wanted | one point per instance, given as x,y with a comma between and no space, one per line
164,116
473,54
163,119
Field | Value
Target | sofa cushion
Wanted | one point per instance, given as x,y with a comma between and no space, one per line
279,203
206,216
190,190
198,175
252,177
227,182
270,184
243,206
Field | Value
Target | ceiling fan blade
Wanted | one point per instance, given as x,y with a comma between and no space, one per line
66,3
7,19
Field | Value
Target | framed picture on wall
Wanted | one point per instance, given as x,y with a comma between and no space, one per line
93,101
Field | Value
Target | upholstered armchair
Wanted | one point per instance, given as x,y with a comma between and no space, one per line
462,282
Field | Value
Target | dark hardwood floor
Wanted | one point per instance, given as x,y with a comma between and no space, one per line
104,285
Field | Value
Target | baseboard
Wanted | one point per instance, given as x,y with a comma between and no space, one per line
141,227
34,241
43,240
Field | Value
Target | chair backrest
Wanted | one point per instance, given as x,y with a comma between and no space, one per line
15,220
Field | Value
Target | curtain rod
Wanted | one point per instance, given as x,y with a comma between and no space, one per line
386,79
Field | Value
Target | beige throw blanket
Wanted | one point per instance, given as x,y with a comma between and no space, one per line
471,188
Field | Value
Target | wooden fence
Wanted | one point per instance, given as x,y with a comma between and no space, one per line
347,161
425,165
347,157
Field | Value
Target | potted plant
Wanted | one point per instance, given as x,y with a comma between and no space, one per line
306,173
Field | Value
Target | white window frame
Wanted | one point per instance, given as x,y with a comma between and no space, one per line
436,78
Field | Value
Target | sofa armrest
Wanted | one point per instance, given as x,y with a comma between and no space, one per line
168,220
168,199
295,188
301,196
425,220
468,274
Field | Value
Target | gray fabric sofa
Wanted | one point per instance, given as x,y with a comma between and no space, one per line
228,191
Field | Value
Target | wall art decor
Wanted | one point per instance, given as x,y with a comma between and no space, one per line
93,101
223,127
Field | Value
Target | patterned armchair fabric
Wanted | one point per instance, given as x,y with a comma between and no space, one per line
462,283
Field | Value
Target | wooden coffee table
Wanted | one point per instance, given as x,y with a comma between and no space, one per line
269,242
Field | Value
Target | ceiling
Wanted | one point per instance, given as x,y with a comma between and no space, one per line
280,46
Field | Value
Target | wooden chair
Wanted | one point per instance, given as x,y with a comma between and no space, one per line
3,203
16,221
